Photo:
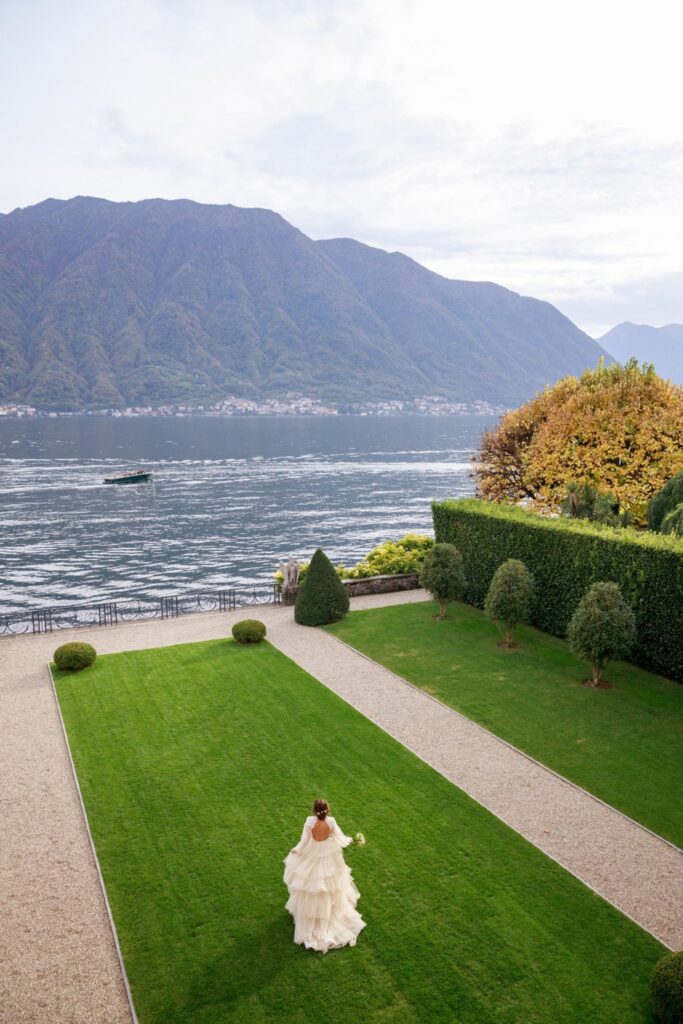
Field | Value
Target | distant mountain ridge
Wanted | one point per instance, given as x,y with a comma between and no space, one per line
108,304
662,346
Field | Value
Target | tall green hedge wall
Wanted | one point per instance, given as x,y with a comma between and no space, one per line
566,556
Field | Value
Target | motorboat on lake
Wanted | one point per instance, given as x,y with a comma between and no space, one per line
133,476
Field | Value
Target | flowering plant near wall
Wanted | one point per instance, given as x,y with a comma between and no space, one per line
402,556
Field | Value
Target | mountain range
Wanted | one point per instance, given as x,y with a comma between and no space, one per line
662,346
106,304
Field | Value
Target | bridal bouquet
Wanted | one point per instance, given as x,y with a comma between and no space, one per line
359,839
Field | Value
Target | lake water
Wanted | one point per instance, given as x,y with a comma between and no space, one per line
230,498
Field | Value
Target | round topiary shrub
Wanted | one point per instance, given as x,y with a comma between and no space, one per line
510,597
667,989
443,575
602,627
248,631
322,596
74,656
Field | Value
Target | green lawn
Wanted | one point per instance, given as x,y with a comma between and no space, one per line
624,744
198,764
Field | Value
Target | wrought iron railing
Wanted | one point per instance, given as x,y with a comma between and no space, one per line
110,613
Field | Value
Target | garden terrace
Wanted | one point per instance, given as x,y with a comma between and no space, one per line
197,764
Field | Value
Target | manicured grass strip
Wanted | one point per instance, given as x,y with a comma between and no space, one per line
625,745
198,764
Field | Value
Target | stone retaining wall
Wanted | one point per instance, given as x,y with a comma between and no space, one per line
382,584
369,585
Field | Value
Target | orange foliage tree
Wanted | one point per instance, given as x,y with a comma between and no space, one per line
618,428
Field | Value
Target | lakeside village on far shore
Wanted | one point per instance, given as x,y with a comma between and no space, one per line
290,405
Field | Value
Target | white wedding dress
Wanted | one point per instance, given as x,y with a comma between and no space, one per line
322,893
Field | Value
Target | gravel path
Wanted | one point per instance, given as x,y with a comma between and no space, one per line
57,954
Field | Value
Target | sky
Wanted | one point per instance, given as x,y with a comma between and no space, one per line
535,144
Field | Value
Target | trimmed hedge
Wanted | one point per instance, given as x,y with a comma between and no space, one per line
74,657
566,556
249,631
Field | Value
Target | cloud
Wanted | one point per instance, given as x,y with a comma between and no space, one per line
532,145
656,300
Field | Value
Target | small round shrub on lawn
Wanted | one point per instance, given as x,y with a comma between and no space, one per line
248,631
74,656
667,989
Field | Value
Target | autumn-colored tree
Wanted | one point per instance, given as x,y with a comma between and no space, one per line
617,428
500,465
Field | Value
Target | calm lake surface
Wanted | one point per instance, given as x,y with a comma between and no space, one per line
231,497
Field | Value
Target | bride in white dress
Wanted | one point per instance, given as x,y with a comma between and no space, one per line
322,893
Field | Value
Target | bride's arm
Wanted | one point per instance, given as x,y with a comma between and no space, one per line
304,837
338,834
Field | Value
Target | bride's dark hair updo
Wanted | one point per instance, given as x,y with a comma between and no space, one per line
321,809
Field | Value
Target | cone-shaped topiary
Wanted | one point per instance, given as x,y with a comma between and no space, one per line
510,596
443,575
667,989
322,596
602,627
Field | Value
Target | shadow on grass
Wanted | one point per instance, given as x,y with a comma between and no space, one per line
249,962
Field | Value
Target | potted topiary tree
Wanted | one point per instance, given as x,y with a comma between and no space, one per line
510,597
322,597
443,575
602,627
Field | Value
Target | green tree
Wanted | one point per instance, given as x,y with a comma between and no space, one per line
673,521
443,575
510,596
665,501
583,501
322,596
602,627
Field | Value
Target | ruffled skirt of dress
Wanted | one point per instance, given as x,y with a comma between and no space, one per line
322,898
